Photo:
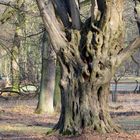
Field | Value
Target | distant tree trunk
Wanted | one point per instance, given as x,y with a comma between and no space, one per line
89,58
117,78
138,65
57,92
15,62
114,93
46,95
15,51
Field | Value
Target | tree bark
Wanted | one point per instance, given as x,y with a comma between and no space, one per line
114,93
89,57
17,43
46,95
15,71
57,94
84,105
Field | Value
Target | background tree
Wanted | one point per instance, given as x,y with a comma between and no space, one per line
20,37
26,52
15,50
117,77
136,61
89,54
46,95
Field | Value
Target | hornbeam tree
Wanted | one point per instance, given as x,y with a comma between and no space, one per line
89,51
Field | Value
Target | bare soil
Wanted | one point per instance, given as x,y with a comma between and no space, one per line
19,122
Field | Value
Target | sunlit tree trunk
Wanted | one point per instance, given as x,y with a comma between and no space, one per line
89,54
46,95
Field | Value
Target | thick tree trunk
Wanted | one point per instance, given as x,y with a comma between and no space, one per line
84,104
89,58
46,95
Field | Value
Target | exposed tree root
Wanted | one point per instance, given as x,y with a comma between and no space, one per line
106,126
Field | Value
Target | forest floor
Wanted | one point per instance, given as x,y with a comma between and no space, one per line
19,122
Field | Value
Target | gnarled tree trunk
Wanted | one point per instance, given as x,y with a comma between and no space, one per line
84,104
85,89
89,53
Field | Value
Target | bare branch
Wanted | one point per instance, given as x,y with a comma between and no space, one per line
128,51
52,25
62,11
101,5
35,34
75,14
66,9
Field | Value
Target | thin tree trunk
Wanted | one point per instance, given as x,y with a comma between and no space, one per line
114,93
46,95
15,51
57,93
15,71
